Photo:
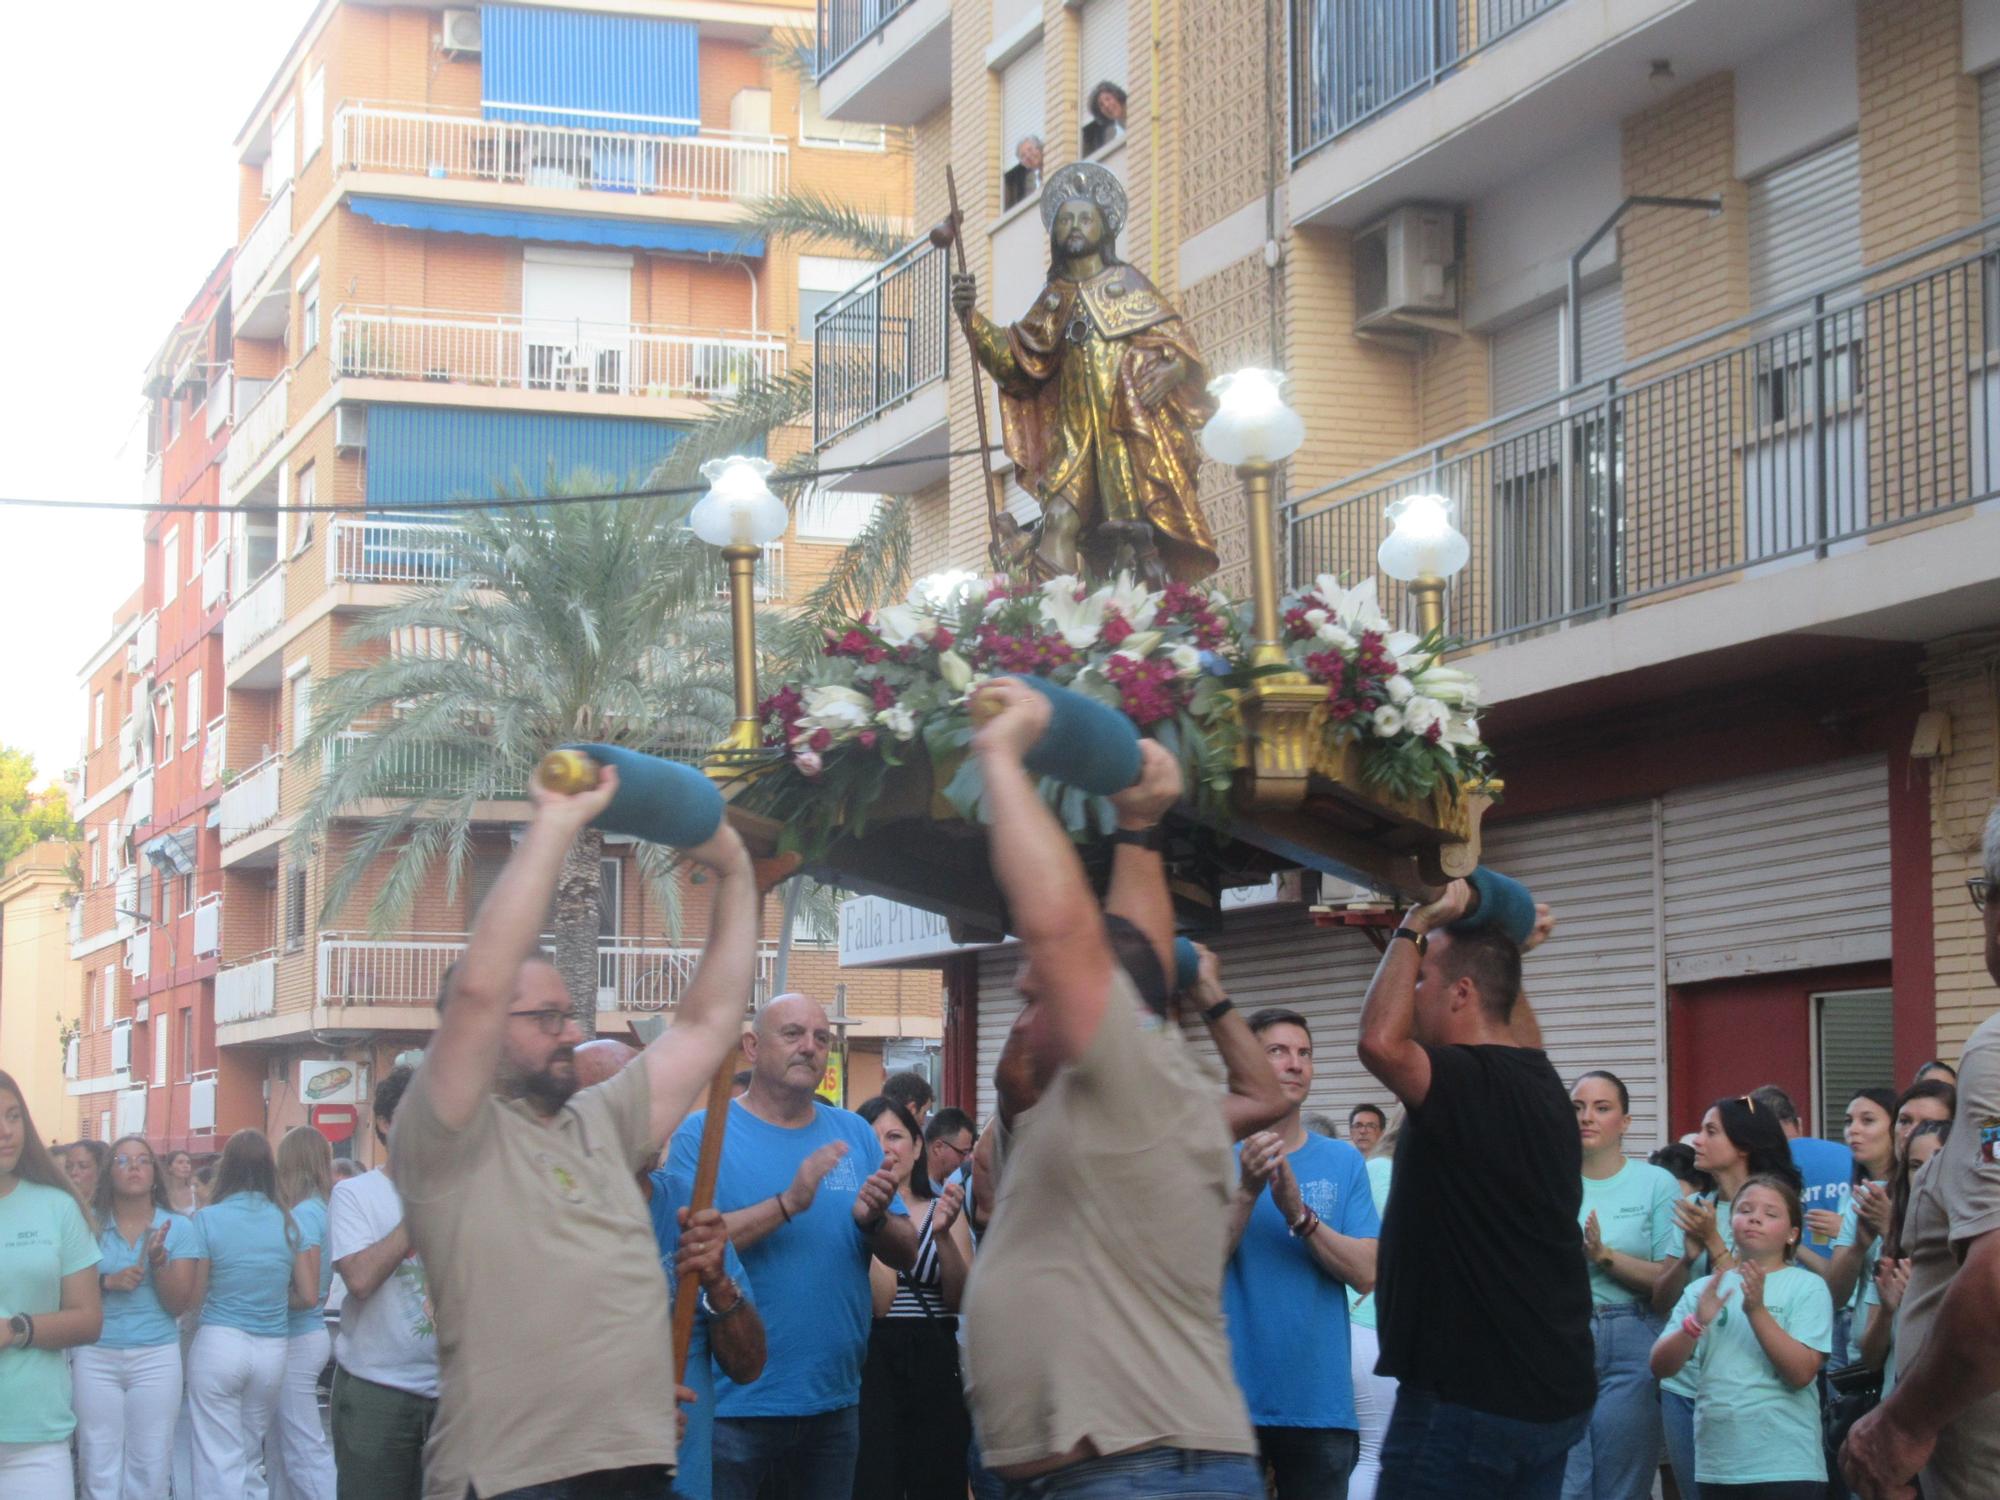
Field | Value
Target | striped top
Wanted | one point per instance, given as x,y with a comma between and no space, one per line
920,1290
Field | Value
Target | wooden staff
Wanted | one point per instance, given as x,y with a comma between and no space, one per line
949,233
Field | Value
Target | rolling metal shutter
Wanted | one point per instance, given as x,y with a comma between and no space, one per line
1857,1029
1774,873
1020,102
1595,985
1603,317
1101,47
1805,224
1524,360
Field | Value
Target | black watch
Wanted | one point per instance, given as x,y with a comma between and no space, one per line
1153,838
1218,1010
1422,940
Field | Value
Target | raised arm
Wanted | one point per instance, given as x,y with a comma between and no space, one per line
1389,1048
1138,890
708,1022
1255,1101
1052,907
465,1054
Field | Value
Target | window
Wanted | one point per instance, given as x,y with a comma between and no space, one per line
186,883
295,908
1805,224
309,314
114,854
159,1029
576,311
816,130
97,721
307,493
173,417
187,1042
1021,128
170,566
824,279
166,724
302,687
195,713
1101,70
312,115
96,861
194,549
279,164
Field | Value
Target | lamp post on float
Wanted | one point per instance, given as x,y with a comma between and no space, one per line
1253,431
740,516
1424,550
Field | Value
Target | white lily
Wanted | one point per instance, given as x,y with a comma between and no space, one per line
837,708
1420,715
1137,603
900,624
1448,685
1336,636
955,670
1140,644
1078,621
1356,608
898,720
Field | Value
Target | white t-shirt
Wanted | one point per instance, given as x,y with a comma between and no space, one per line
389,1337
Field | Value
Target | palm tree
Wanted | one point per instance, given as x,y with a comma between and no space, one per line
557,623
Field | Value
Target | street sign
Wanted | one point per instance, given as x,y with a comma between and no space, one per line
335,1121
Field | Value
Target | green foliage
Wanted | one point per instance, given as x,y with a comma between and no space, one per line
26,817
805,214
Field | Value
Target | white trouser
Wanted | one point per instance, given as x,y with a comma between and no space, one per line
126,1403
1374,1404
36,1471
233,1379
298,1457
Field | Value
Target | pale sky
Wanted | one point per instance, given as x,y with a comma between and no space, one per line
120,193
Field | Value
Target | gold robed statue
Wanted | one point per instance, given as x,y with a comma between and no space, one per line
1102,400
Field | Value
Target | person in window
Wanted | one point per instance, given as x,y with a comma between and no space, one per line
1107,117
1023,180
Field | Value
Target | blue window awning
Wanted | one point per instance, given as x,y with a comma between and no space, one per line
560,229
594,72
423,456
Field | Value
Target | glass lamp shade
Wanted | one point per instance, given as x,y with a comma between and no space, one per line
1422,541
1252,424
947,590
739,509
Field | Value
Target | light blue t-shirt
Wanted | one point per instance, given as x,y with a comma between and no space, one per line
1274,1289
1682,1383
1749,1426
812,1273
1635,1216
135,1319
310,1216
694,1470
1381,1171
1828,1168
249,1257
43,1238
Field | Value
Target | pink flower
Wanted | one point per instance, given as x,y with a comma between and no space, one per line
821,741
867,738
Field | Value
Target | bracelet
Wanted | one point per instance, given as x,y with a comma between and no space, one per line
1422,940
1218,1010
1693,1327
718,1314
24,1327
779,1199
874,1226
1153,837
1307,1226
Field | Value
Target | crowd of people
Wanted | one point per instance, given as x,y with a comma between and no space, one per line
1130,1281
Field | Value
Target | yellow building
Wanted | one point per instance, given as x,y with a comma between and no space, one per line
41,986
1726,461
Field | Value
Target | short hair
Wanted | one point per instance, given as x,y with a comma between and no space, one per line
1325,1125
910,1089
1930,1088
389,1092
1935,1065
1140,960
1491,960
1106,87
1263,1020
1381,1116
948,1121
1624,1094
1778,1102
1676,1158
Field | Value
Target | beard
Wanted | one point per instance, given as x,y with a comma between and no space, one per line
546,1091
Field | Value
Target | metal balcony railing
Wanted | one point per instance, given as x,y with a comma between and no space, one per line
254,614
259,426
250,802
260,248
1353,59
846,24
505,351
215,575
413,771
1812,425
435,142
246,990
881,342
390,549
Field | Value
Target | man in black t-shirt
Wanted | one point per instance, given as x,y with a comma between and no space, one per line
1483,1299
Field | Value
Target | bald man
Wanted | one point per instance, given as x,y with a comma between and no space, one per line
807,1202
595,1061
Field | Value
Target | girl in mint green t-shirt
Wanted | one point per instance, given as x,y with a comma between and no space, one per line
1756,1337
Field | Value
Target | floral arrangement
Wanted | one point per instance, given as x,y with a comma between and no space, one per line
1387,688
891,689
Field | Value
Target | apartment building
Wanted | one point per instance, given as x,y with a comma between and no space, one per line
1725,460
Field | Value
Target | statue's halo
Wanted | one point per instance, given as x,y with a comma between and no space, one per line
1085,179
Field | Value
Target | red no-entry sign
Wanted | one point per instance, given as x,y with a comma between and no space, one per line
335,1121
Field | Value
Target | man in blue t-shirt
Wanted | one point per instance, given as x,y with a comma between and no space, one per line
1826,1166
1298,1248
807,1201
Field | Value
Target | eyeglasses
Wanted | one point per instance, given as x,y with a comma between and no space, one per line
550,1020
1981,891
954,1148
131,1161
1748,1102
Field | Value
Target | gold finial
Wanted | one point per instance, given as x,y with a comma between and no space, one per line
567,771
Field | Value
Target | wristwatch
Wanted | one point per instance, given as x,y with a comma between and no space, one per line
1154,837
719,1313
1422,940
23,1328
1218,1010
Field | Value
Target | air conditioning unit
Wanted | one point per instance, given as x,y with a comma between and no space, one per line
350,428
460,34
1406,269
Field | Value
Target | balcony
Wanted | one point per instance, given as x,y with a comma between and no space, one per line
443,145
249,804
358,968
208,926
253,616
879,362
259,426
150,484
885,62
390,549
1810,462
412,771
215,576
245,991
258,296
501,351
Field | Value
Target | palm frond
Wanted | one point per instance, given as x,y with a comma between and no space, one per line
794,51
870,572
806,214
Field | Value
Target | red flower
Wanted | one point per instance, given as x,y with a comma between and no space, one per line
1117,630
884,696
867,738
1342,709
943,640
821,741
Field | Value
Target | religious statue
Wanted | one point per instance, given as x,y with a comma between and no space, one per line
1102,400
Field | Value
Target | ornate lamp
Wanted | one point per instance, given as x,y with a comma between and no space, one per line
1253,431
740,515
1425,550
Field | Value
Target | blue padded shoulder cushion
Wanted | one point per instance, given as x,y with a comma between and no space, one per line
1503,902
1087,744
1187,965
660,801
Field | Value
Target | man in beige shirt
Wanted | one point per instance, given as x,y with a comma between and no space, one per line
554,1335
1944,1416
1095,1341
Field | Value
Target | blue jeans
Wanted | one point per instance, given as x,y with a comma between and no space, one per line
1309,1463
1618,1456
1677,1423
984,1483
1150,1474
1438,1450
650,1482
787,1458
